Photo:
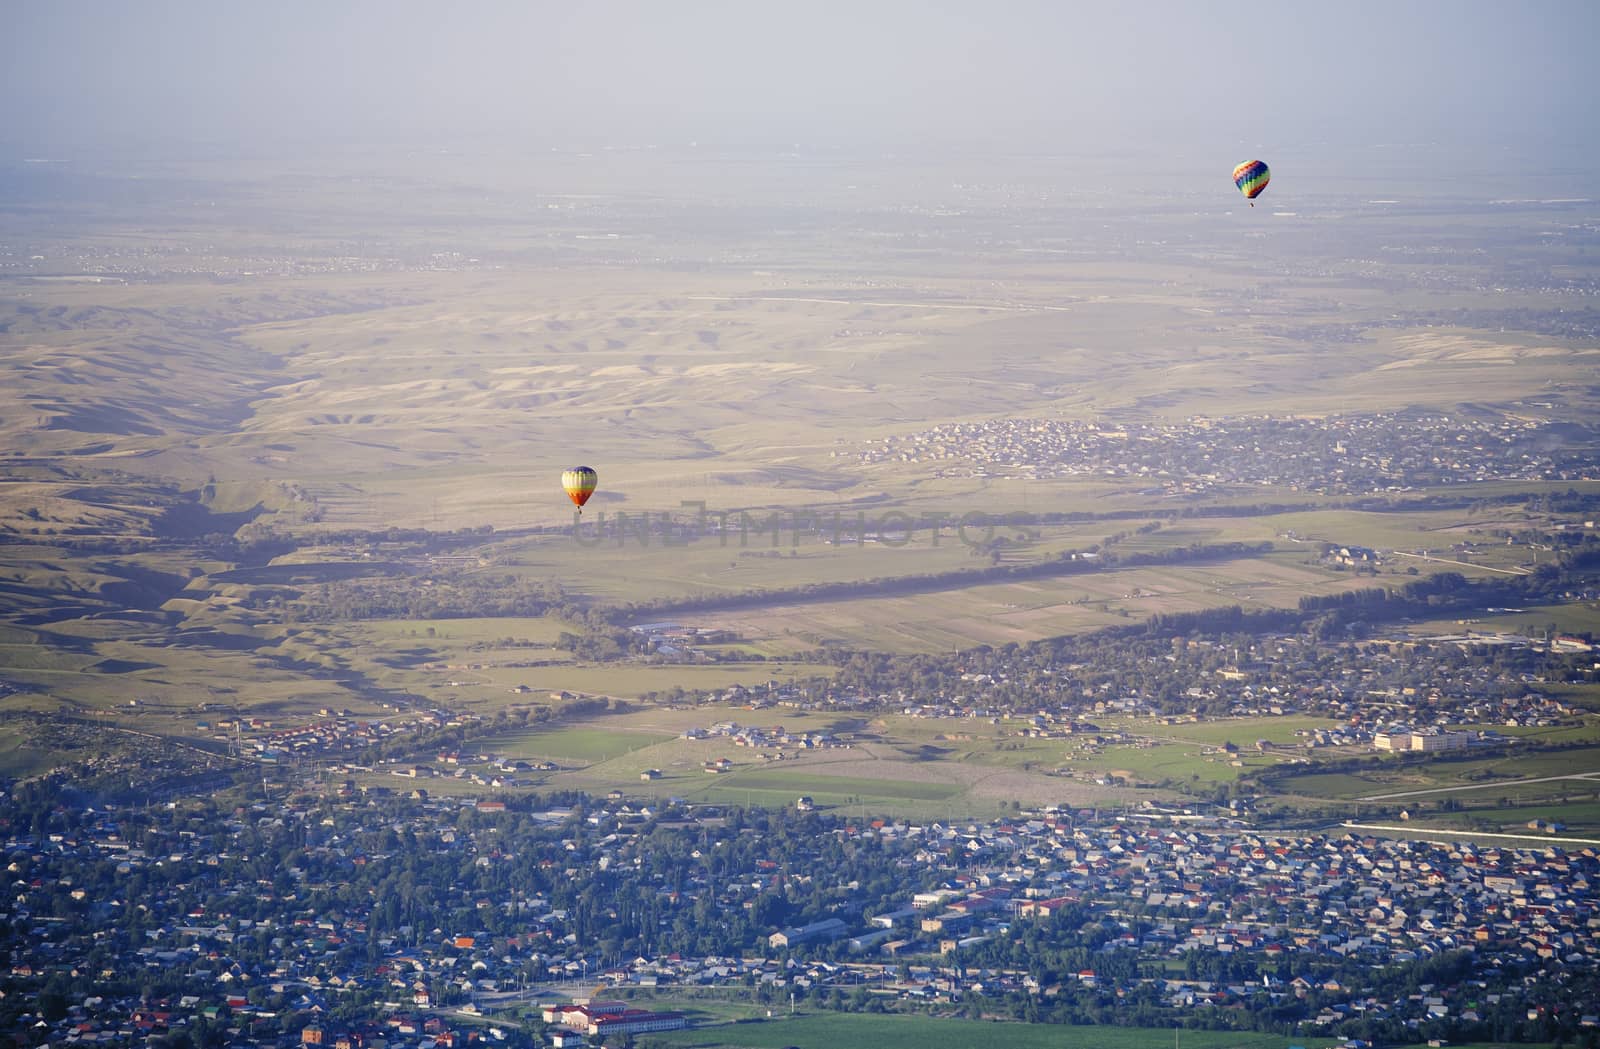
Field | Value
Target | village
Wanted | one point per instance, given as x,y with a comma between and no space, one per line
1383,694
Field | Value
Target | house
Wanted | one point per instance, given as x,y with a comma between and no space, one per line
826,930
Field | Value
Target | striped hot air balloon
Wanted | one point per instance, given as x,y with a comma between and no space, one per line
579,482
1251,177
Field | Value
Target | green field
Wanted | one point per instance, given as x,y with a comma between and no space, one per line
835,790
892,774
1282,731
869,1031
1501,794
1390,777
584,745
1577,618
22,753
1182,753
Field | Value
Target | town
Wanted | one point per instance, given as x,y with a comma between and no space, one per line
341,919
1333,455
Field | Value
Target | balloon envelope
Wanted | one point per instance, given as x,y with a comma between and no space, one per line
1251,177
579,482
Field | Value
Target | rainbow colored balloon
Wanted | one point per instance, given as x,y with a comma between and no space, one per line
1251,177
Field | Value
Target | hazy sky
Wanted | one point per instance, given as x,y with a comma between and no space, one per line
1052,76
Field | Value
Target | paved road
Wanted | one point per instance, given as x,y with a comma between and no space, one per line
1464,564
1423,832
1586,776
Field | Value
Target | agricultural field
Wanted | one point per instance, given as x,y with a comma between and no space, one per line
606,566
997,613
576,745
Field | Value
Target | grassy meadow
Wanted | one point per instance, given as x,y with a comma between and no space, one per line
894,764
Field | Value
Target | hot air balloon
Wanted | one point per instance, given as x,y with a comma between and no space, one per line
579,482
1251,177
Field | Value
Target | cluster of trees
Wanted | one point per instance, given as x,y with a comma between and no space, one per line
604,642
450,595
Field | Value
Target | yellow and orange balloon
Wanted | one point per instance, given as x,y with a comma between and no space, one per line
579,482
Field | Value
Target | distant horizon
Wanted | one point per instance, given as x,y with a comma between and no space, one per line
1305,174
